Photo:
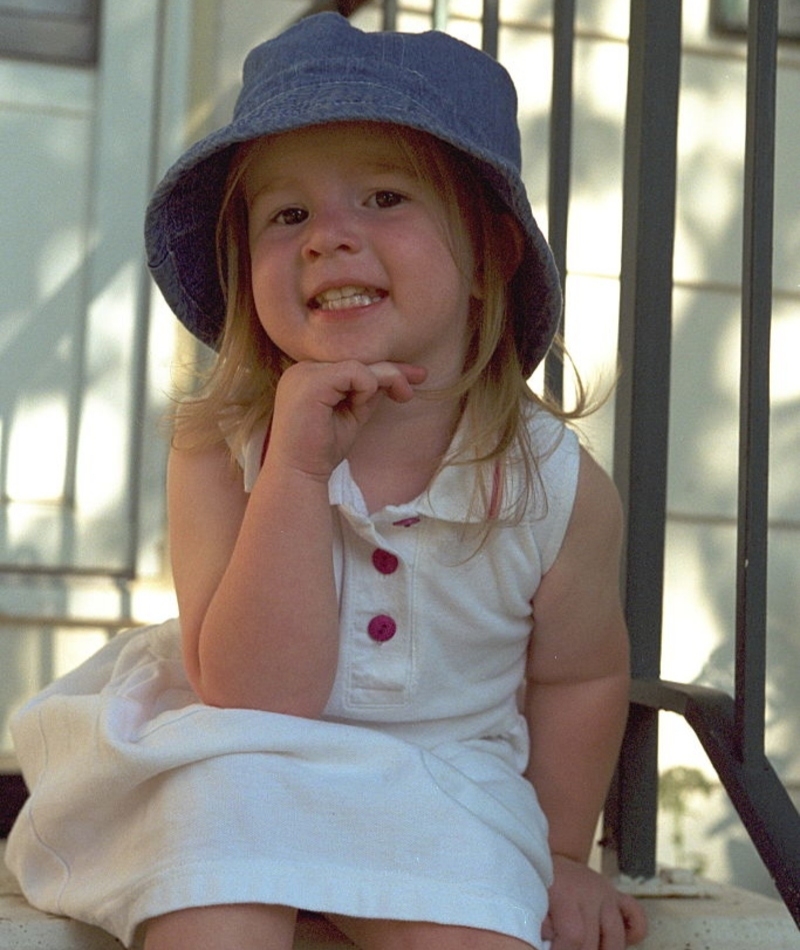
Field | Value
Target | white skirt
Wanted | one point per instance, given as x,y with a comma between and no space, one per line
144,801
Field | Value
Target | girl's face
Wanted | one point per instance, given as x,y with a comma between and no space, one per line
352,256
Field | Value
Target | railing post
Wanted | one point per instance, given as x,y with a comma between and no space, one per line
642,407
560,161
490,25
754,409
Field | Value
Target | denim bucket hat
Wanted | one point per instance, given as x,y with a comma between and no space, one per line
323,70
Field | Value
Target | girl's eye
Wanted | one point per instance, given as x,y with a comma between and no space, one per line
388,199
290,216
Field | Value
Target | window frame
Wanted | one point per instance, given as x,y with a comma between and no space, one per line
65,32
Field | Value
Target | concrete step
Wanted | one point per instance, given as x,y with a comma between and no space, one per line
684,914
688,913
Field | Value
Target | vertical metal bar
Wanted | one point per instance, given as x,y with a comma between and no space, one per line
646,313
629,819
439,14
490,25
751,586
389,15
560,160
642,416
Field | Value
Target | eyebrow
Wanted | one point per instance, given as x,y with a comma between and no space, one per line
377,166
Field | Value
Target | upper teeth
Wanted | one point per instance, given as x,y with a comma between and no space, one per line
337,298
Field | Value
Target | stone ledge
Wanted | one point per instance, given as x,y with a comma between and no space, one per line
688,915
685,913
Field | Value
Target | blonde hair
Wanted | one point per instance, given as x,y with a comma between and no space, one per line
237,395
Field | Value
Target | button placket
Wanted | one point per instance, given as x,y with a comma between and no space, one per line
383,627
378,631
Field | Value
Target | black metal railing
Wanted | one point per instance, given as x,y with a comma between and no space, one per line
730,729
642,402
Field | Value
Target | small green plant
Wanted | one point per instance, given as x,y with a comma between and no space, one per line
677,787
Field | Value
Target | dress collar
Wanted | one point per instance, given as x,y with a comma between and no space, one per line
451,495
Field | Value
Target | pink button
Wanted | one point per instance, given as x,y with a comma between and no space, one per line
384,561
382,628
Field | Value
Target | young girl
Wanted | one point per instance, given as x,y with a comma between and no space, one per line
397,688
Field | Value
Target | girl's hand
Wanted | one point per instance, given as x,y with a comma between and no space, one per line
588,913
321,407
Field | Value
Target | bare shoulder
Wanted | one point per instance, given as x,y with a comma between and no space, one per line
204,487
577,613
594,532
206,501
597,510
209,469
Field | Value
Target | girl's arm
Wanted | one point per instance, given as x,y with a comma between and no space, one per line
576,706
254,575
254,580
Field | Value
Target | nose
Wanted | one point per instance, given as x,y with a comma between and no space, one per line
331,231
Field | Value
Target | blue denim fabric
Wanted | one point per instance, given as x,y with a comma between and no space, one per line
323,70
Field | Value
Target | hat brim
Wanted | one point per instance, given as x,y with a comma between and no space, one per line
182,216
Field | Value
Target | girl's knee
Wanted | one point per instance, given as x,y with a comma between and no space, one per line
412,935
220,927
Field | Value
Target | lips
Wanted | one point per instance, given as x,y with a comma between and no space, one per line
346,297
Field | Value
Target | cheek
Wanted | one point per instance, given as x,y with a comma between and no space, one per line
265,274
450,248
457,245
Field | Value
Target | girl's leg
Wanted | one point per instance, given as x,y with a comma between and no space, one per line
223,927
404,935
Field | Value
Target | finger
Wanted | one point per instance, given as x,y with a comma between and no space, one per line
397,380
326,383
571,931
634,919
612,927
593,936
414,374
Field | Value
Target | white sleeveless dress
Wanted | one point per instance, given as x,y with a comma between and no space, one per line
405,801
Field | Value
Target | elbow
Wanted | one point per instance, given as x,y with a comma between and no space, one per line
302,707
248,674
225,689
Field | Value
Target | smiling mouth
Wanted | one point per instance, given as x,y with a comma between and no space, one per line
344,298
